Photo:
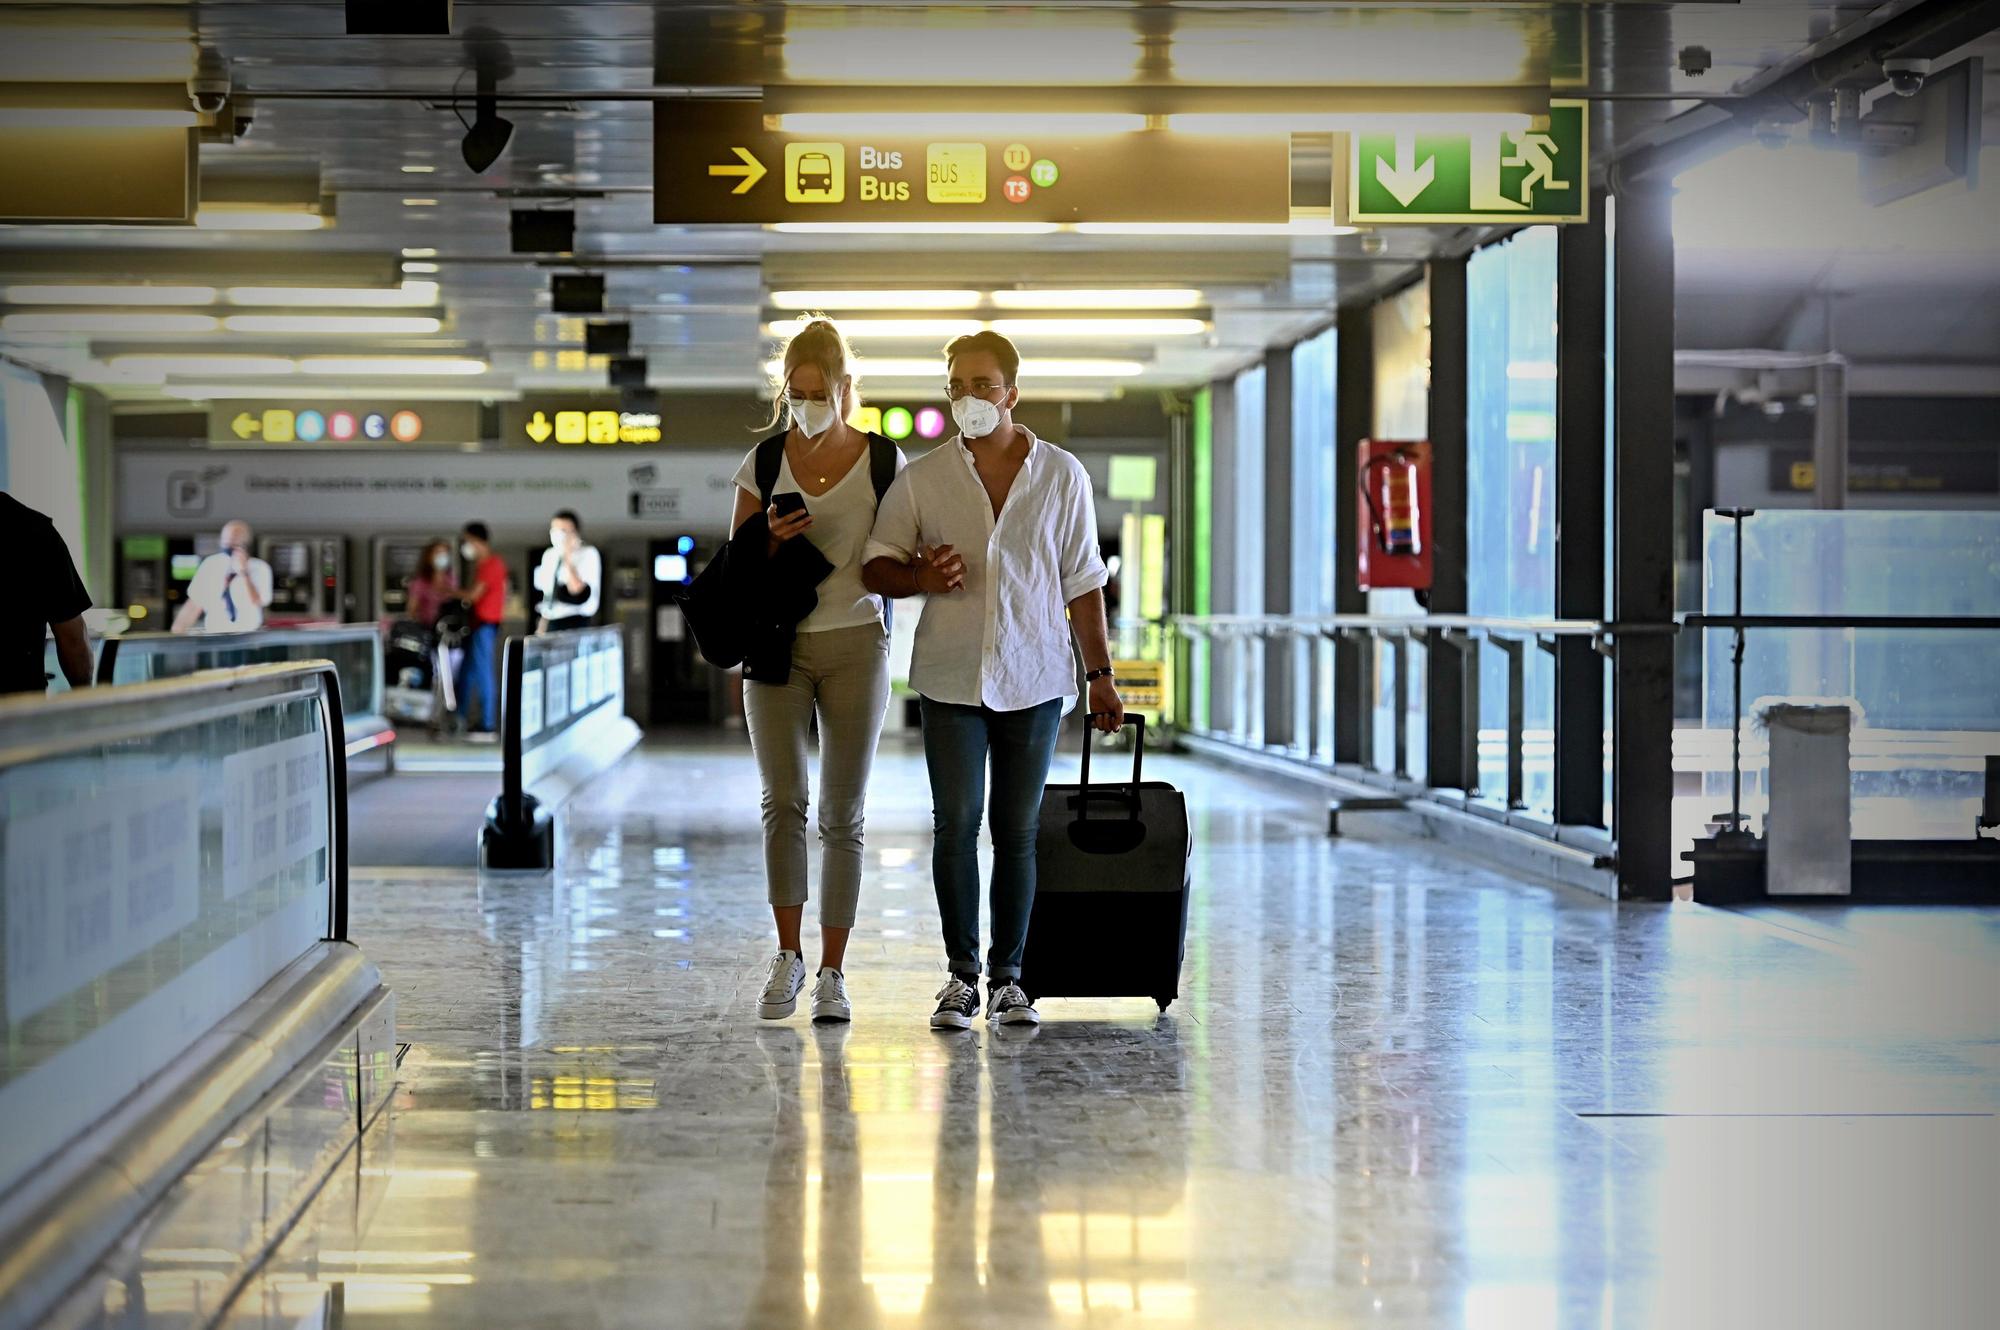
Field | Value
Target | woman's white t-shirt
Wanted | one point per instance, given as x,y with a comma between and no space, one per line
842,519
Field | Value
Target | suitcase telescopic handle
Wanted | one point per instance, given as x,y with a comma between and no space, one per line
1085,794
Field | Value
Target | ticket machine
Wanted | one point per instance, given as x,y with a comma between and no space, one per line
394,564
308,578
153,575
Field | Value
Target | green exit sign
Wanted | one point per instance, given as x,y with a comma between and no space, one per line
1540,174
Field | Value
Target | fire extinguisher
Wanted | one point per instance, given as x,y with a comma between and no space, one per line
1392,501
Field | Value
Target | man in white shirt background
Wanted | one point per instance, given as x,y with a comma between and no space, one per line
998,530
570,577
230,588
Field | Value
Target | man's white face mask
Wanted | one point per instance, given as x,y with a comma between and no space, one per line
813,418
976,417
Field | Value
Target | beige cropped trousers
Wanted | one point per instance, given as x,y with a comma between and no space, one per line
842,676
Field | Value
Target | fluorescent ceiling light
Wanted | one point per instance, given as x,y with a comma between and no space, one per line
202,391
414,267
933,367
420,203
251,219
1123,298
1305,226
927,328
384,324
1098,327
110,295
876,299
160,365
441,366
848,124
417,168
1360,122
410,295
107,322
420,252
918,228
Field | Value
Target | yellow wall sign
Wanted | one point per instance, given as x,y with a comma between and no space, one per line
955,172
570,427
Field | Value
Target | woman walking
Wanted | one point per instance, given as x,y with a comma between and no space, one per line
805,504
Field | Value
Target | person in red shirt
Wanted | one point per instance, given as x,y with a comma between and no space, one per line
486,594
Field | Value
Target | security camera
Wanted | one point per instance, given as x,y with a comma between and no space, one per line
208,90
1906,75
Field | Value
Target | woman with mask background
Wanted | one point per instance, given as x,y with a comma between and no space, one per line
570,577
433,584
823,489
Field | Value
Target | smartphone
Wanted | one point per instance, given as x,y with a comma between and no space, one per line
791,501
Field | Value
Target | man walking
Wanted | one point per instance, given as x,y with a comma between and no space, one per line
999,531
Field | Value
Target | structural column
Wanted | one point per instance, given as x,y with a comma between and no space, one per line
1580,517
1278,708
1444,703
1354,420
1643,537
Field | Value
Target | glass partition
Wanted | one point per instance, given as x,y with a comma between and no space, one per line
565,680
354,649
168,849
1925,703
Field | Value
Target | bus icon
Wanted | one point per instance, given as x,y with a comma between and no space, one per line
815,172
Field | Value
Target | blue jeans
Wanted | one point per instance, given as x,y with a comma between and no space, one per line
475,676
957,740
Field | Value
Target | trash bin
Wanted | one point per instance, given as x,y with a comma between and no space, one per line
1809,831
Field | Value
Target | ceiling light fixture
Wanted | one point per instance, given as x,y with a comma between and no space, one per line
249,219
933,368
1091,298
427,366
417,168
420,268
108,295
918,228
420,252
158,366
107,322
885,328
388,325
1359,122
877,299
410,295
1030,328
420,203
849,124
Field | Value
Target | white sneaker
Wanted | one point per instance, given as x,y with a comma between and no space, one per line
1008,1005
830,998
780,997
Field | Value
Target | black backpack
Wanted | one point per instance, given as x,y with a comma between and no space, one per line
708,605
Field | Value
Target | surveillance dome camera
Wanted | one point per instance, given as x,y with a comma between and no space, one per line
1906,75
208,90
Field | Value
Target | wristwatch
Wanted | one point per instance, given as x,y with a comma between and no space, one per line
1092,676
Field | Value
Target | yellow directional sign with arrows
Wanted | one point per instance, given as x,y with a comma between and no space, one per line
539,427
747,166
246,425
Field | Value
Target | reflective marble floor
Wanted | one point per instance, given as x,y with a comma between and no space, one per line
1400,1090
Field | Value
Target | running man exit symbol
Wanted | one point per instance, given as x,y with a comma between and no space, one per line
1538,173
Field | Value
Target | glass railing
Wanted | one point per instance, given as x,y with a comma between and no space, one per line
169,848
355,651
1887,614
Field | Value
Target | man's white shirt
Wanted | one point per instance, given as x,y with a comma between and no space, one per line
589,566
1003,639
235,613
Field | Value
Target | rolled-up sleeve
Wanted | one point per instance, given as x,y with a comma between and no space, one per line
896,530
1082,563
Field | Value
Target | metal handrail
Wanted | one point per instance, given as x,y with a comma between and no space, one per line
1466,633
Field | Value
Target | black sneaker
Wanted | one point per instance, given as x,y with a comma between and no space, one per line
958,1005
1006,1004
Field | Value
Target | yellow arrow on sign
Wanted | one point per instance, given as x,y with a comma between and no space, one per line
539,428
751,170
246,424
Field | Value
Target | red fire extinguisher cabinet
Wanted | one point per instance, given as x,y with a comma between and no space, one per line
1393,499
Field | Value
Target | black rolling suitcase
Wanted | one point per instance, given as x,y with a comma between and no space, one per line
1111,892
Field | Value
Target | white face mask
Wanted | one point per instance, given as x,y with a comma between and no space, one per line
441,561
976,416
467,550
558,537
813,418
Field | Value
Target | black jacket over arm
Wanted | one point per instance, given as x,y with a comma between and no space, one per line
775,591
